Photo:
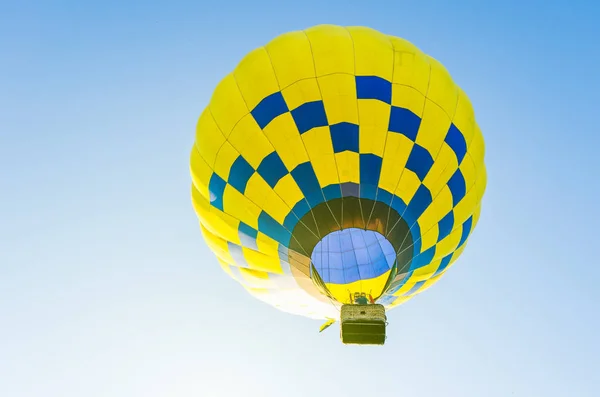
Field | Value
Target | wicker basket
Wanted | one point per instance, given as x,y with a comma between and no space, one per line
363,324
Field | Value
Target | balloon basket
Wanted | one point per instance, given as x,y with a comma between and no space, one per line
363,324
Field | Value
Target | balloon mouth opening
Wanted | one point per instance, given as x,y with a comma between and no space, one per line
352,254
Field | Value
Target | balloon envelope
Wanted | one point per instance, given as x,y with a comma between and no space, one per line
337,160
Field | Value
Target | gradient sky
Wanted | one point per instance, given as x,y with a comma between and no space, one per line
107,288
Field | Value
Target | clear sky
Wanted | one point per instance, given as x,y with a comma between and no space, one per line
106,286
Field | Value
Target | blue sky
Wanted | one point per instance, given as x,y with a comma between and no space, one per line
107,289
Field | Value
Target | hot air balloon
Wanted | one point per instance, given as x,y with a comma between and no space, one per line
337,173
